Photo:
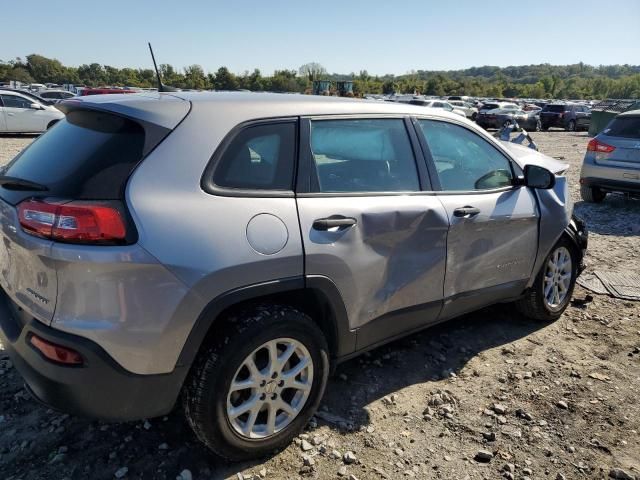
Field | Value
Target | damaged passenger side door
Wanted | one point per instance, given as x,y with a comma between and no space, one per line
370,222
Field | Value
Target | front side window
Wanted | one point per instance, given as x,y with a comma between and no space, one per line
14,101
364,155
465,161
260,157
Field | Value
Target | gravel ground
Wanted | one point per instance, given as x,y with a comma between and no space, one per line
489,395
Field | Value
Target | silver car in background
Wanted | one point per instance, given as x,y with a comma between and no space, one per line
469,110
612,161
226,249
25,113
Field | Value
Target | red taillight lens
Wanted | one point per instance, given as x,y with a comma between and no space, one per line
596,146
56,353
72,222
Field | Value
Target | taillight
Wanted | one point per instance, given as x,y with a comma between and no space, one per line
597,146
55,352
76,222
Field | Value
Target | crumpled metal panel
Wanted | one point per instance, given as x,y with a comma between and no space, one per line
393,258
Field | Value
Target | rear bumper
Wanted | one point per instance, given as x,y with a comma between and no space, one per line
552,122
611,185
100,388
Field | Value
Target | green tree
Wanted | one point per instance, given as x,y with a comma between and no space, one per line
44,69
225,80
313,71
195,78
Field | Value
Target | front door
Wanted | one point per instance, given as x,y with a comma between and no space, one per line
367,226
493,233
19,115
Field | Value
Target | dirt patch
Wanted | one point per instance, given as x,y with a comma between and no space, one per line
489,395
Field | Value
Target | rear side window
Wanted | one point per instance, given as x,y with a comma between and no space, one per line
260,157
624,127
367,155
87,155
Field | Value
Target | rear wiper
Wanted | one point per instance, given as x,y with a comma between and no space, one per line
14,183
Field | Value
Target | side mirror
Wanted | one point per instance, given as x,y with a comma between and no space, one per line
538,177
36,106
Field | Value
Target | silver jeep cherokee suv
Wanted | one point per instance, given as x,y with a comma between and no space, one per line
227,249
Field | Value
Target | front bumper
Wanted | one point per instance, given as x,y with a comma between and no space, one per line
578,232
100,388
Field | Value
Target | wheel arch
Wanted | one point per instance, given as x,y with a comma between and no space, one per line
316,296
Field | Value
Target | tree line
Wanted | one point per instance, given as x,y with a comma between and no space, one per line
528,81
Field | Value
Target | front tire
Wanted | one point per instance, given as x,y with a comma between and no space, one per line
551,292
592,194
258,383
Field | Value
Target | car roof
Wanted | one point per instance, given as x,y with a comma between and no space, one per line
251,106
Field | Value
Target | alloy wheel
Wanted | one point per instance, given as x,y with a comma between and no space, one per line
270,388
557,278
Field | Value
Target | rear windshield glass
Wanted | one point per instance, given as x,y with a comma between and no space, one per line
554,108
626,127
490,106
87,155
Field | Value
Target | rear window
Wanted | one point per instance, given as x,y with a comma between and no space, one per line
88,155
625,127
555,108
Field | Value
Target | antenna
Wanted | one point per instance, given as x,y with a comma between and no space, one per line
161,86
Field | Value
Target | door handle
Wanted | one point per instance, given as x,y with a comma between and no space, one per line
333,221
466,211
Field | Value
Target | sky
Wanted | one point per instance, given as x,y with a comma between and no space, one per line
378,36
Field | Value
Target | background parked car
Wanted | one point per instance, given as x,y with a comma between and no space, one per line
569,116
501,117
469,110
22,113
502,105
438,104
56,96
612,161
103,91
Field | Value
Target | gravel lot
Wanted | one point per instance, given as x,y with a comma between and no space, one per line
490,395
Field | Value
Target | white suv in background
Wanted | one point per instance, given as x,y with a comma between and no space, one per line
24,114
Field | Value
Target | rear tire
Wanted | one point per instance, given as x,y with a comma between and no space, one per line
239,371
592,194
550,294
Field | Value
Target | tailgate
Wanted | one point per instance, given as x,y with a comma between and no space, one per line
27,274
625,155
